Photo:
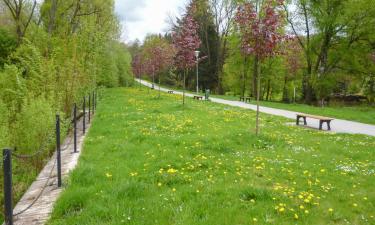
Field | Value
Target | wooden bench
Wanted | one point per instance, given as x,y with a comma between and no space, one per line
198,97
321,119
245,99
170,92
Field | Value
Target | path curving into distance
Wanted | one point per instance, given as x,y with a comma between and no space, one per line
337,125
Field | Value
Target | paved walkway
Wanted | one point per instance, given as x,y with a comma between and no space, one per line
337,125
39,213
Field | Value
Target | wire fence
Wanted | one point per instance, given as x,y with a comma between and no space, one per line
75,125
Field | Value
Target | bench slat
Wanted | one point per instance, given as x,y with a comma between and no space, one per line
313,116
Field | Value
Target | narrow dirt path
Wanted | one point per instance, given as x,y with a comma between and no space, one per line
337,125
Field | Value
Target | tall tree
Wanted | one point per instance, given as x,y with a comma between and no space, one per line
293,62
261,32
224,12
186,41
21,14
209,37
159,54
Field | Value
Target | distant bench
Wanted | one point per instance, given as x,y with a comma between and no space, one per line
321,119
170,92
198,97
245,99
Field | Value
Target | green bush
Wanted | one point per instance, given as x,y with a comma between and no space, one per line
4,133
35,123
7,46
12,88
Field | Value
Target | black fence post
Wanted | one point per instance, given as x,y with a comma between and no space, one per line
58,153
7,169
75,127
84,115
89,108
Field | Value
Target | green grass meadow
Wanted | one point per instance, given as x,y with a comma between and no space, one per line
152,161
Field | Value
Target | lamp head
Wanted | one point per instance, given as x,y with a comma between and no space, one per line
197,53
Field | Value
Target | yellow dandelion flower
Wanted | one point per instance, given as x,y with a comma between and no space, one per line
108,175
330,210
307,211
171,171
174,189
159,184
296,216
255,219
301,207
355,204
282,209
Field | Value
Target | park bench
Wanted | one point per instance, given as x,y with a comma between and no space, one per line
198,97
245,99
321,119
170,92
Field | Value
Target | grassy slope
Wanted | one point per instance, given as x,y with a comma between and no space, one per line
149,161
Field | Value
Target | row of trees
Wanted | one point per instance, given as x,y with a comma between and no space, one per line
328,52
327,55
160,56
51,54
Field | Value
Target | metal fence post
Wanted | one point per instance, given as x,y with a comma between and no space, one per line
58,153
7,169
84,115
75,128
89,108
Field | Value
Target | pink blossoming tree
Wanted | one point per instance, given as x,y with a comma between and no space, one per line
186,41
137,66
160,56
260,28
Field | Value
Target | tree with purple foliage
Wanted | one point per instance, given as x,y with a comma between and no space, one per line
186,41
260,27
159,55
137,66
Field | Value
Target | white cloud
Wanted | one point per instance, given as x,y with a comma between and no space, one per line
140,17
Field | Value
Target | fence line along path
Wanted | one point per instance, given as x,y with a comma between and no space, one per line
41,210
337,125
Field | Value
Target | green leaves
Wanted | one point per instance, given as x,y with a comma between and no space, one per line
7,45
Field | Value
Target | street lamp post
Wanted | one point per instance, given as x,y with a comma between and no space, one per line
197,56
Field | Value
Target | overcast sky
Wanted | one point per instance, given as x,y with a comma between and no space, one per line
140,17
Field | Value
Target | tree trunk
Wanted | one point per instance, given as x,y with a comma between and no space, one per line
285,90
52,17
159,85
255,76
183,89
268,89
307,88
243,83
257,128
